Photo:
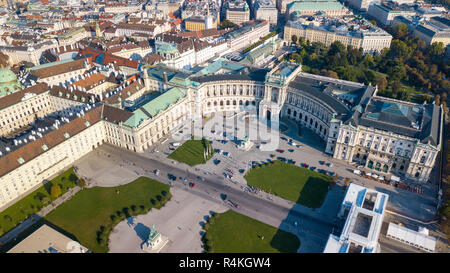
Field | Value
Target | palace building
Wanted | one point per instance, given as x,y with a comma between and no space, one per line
58,125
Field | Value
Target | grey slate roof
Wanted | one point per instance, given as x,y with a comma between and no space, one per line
323,89
398,117
246,74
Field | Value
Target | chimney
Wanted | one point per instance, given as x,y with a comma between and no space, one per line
165,77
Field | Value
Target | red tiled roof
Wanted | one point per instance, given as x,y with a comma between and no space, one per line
90,82
59,69
16,97
125,93
33,149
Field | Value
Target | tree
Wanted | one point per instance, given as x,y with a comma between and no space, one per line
82,183
45,200
73,177
436,49
55,191
294,39
437,100
396,86
227,24
368,61
347,182
296,57
400,31
400,49
302,42
337,48
381,82
329,73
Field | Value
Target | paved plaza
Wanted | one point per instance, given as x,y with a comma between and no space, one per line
109,166
420,207
181,220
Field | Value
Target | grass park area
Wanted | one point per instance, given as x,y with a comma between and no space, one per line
306,187
35,201
192,152
231,232
92,213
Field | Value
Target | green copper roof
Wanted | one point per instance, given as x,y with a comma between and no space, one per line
153,107
315,5
8,82
219,64
166,48
7,75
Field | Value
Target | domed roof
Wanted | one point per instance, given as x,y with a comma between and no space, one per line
8,82
7,76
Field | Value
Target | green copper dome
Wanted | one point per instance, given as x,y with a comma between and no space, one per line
8,82
7,76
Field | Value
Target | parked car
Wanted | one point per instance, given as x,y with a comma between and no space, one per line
156,172
171,177
191,184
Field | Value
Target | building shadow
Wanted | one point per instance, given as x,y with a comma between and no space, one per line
142,231
303,134
311,220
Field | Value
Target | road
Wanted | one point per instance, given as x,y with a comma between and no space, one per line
214,187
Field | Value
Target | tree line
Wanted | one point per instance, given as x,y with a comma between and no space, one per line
409,67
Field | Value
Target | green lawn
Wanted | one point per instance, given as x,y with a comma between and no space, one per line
306,187
191,152
92,213
231,232
34,201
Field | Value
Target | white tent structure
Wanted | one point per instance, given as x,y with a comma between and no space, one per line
416,239
395,178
